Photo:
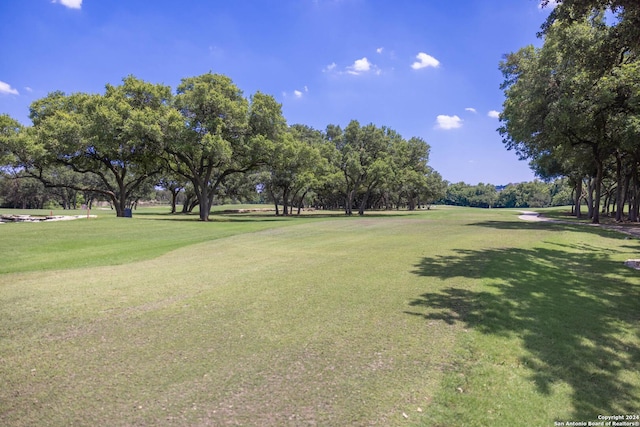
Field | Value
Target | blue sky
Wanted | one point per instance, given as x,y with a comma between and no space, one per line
424,68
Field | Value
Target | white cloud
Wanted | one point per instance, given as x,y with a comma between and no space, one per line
471,110
359,66
494,114
5,88
329,68
71,4
28,89
425,61
295,93
448,122
380,49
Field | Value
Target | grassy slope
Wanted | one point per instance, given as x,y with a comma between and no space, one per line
451,317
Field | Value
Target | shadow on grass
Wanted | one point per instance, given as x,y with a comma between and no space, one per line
545,225
571,305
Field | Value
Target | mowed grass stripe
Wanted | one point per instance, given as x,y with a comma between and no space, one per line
107,240
319,323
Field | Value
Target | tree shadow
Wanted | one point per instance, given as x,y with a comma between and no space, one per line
605,230
571,305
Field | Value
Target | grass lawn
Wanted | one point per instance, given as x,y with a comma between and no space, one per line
448,317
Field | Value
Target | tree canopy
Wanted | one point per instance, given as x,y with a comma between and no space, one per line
207,140
108,143
221,133
571,106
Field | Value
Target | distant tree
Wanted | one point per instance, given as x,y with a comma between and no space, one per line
173,184
66,194
435,189
457,194
409,180
483,196
291,170
366,161
22,192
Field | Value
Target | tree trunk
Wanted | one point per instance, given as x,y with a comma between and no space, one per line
578,195
275,201
589,198
205,206
363,203
412,203
598,192
120,205
619,189
348,206
301,202
633,198
205,199
621,196
285,202
174,199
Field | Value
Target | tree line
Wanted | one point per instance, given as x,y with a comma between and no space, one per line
572,106
205,141
535,194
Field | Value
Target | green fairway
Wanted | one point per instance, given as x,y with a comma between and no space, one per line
447,317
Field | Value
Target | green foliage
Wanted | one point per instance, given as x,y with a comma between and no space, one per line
9,131
374,159
571,105
198,143
106,144
536,194
294,168
477,196
22,193
219,133
627,17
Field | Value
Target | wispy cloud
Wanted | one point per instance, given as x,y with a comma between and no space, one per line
424,61
448,122
71,4
494,114
471,110
329,68
5,88
379,50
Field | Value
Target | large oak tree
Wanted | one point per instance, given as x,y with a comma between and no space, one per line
113,139
221,133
